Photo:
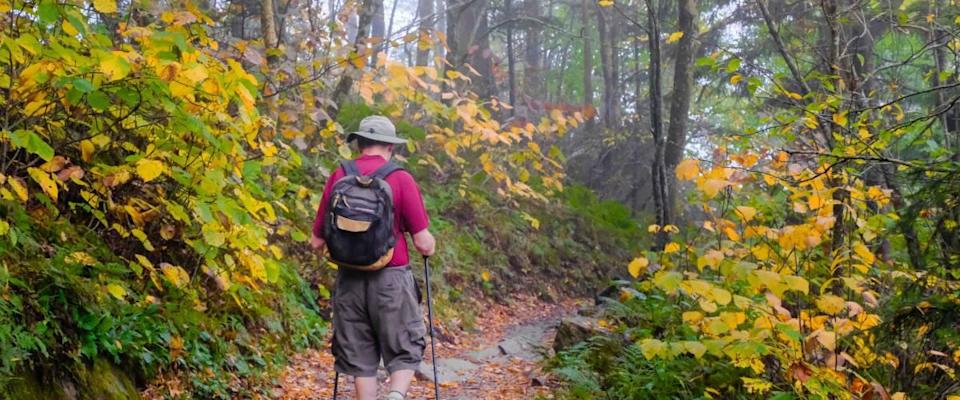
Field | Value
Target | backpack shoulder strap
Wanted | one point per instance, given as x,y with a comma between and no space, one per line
350,168
385,170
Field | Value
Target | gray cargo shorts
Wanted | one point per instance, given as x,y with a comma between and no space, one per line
376,315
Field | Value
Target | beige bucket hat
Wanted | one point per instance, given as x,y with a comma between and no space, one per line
378,128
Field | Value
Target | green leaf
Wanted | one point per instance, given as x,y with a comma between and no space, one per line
733,65
98,100
32,142
48,12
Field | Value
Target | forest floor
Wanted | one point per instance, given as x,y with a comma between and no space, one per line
499,359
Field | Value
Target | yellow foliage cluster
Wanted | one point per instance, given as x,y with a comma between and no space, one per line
765,287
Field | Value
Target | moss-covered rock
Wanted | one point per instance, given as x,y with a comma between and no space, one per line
100,381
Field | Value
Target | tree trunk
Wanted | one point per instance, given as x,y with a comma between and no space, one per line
611,93
656,127
425,15
379,30
587,55
346,81
680,101
393,15
511,66
533,69
467,39
268,24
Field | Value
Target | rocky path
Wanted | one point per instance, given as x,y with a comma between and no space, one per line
500,359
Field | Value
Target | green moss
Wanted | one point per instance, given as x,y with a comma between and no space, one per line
28,386
104,381
101,380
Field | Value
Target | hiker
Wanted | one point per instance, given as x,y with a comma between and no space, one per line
376,312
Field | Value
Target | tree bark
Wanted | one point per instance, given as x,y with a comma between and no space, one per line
656,126
587,55
533,51
425,15
467,25
511,65
680,101
268,24
346,81
379,29
611,91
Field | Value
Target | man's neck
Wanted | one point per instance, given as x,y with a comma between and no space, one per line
372,151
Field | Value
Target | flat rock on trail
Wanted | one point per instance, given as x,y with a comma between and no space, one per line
500,359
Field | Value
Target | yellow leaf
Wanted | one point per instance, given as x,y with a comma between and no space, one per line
18,187
865,254
692,317
711,258
671,247
196,74
485,275
116,291
114,66
653,228
81,258
674,37
176,275
796,283
344,151
668,281
713,186
688,169
105,6
735,79
605,3
721,296
637,265
47,183
840,118
69,29
149,169
746,213
831,304
86,150
815,201
652,348
168,72
695,348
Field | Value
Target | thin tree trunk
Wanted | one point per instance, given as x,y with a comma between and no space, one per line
533,68
587,55
393,14
425,15
346,81
511,66
268,24
680,101
610,86
379,31
656,126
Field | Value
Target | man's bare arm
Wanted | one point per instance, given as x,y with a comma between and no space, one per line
425,242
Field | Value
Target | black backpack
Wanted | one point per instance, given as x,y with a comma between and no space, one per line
358,228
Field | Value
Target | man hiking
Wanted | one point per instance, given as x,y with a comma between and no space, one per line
376,312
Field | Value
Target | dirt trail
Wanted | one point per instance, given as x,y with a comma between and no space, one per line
499,360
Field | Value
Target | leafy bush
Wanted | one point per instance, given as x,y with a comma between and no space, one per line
134,220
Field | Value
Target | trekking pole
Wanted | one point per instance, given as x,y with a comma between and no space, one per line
433,348
336,383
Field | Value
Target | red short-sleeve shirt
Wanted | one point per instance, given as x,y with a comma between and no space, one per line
408,209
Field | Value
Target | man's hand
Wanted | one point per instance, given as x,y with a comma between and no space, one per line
424,242
317,244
